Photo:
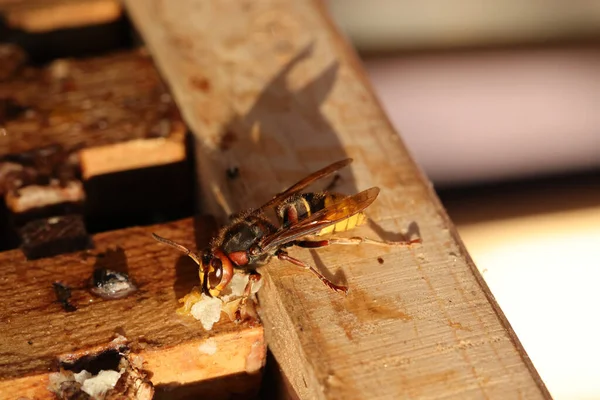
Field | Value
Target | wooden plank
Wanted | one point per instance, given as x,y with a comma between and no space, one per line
68,126
547,223
37,16
92,102
37,333
271,89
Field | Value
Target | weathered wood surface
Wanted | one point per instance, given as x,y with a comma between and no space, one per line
45,15
93,104
79,119
270,88
37,332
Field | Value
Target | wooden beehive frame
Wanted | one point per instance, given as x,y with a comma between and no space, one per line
38,332
112,116
271,88
38,16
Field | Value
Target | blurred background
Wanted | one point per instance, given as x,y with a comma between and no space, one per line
499,102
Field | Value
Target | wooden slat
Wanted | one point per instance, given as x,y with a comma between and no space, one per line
38,16
91,103
37,332
270,88
88,119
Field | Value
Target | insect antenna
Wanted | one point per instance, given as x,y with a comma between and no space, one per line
179,247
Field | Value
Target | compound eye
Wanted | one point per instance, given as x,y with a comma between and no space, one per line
216,274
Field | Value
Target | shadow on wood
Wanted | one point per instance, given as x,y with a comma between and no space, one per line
269,119
240,386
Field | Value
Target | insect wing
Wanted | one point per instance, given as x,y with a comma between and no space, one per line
331,215
299,186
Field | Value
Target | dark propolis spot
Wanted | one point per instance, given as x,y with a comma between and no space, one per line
227,140
63,294
51,236
200,83
232,173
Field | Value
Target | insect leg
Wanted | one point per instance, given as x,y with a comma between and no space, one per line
333,183
311,244
282,255
246,308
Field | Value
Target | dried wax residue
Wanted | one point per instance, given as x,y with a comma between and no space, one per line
208,347
95,386
208,310
129,381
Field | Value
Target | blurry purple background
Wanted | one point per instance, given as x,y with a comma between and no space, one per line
485,113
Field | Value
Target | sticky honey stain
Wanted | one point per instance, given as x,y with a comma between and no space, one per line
458,326
200,83
414,386
255,133
365,309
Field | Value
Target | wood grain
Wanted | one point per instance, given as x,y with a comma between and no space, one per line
41,16
37,332
270,88
108,121
131,155
91,102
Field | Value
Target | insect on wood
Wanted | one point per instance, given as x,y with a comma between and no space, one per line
251,239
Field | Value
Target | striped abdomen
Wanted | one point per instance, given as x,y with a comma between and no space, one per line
302,206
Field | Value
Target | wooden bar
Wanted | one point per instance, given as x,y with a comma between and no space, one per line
95,102
113,111
80,139
272,91
39,334
38,16
84,136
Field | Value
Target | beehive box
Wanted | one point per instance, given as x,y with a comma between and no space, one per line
96,157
